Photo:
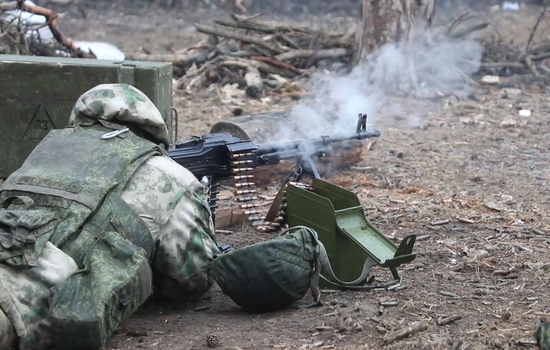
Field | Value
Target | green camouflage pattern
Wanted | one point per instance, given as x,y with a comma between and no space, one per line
7,333
542,336
88,306
113,215
23,235
24,298
270,275
56,169
174,205
69,174
124,104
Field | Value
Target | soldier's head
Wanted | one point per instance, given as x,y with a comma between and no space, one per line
121,104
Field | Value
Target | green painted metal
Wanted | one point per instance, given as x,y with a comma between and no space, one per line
349,238
38,93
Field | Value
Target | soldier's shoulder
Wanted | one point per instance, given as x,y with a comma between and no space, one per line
166,166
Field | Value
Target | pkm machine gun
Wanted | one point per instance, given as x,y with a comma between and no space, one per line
214,157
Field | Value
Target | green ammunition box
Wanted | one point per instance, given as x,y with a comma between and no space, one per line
38,93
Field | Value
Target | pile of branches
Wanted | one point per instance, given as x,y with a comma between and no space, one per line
246,7
506,60
503,59
256,54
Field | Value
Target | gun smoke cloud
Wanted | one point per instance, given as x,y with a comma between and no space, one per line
428,64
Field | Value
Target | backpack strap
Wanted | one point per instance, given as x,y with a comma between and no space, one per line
27,202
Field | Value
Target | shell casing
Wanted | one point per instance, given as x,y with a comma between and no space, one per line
251,212
240,170
241,162
242,177
239,155
244,184
248,206
240,192
246,199
255,218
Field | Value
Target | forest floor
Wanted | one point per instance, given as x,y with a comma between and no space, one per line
469,176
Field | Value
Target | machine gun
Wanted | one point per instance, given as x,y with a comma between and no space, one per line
353,244
216,157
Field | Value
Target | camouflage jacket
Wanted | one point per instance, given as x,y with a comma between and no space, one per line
73,175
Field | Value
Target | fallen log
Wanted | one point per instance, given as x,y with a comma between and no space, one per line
241,37
280,64
502,64
268,27
314,54
466,31
280,29
539,49
182,60
539,57
262,66
271,127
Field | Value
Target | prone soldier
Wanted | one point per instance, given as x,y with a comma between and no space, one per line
95,211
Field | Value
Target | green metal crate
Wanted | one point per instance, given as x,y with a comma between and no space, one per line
38,93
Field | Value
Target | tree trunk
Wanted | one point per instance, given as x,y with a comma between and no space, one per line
391,21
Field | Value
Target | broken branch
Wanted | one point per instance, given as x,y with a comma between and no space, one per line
314,54
183,60
262,66
279,64
415,327
263,26
241,37
466,31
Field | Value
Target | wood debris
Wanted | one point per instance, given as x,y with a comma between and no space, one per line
402,333
14,38
273,53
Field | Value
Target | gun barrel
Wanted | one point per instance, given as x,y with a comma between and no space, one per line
321,141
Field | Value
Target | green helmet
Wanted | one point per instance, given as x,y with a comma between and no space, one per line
123,104
270,275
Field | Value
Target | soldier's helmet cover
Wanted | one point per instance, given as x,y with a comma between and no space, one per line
120,103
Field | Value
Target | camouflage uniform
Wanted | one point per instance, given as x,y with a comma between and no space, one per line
168,199
542,335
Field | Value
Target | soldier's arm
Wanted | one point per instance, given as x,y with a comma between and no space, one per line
172,203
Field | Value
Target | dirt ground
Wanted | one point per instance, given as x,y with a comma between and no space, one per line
472,179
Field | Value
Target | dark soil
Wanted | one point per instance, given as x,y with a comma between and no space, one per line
472,178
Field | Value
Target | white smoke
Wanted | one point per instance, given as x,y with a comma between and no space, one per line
428,63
